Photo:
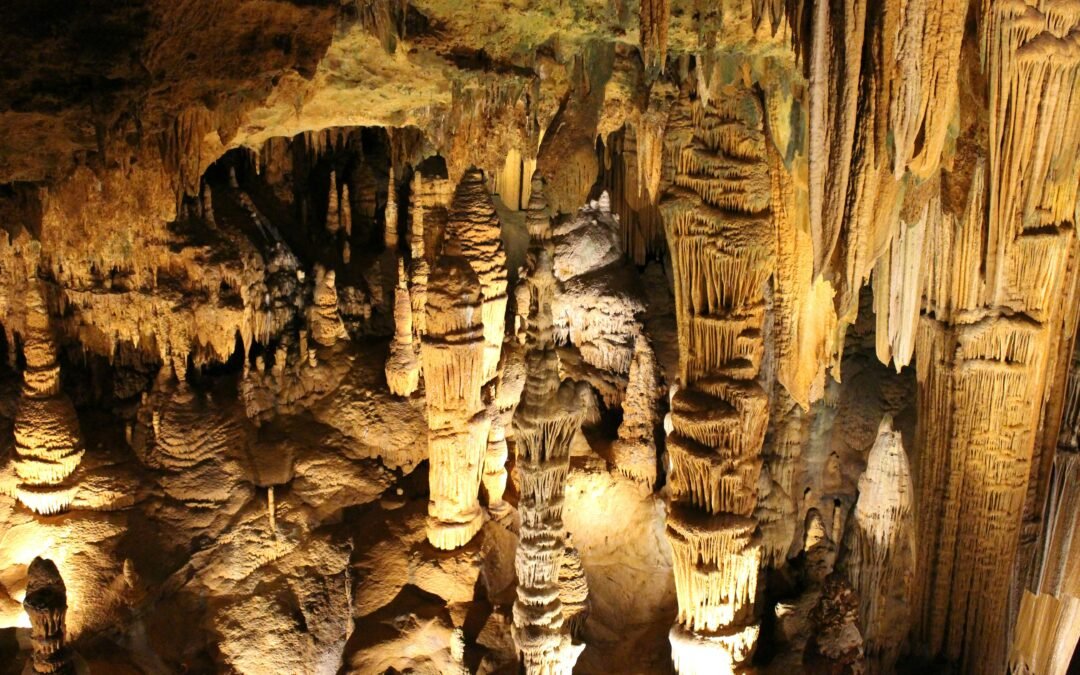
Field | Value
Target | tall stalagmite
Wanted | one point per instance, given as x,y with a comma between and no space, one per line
48,445
403,364
722,240
452,352
878,556
634,452
545,423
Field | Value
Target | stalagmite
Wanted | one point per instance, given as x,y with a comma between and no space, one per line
878,556
403,364
835,645
545,423
46,605
722,241
573,591
324,319
452,353
634,452
509,385
48,445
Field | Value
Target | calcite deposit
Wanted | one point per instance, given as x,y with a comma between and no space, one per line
436,336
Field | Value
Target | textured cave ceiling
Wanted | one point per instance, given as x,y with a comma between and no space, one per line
596,336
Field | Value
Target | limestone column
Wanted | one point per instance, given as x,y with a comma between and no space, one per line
48,447
452,352
545,423
722,240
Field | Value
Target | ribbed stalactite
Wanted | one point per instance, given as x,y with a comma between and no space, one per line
986,347
1048,624
722,240
545,423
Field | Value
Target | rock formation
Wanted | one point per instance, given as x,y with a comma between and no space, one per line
333,368
721,238
452,351
634,452
403,364
879,548
48,443
46,605
544,425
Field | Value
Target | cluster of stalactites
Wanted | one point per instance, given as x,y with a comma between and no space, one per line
452,353
545,423
720,232
46,606
48,443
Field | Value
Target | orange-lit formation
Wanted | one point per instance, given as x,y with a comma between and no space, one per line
446,337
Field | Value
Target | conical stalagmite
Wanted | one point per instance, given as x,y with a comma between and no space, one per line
722,241
324,319
452,352
48,444
879,549
403,364
634,452
545,423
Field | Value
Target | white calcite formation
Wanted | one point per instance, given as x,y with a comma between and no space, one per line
46,606
48,444
879,549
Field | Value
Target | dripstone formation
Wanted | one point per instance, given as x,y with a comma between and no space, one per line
592,337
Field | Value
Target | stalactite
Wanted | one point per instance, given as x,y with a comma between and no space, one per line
474,226
452,353
546,421
46,605
879,549
654,16
993,285
390,233
333,205
48,444
403,363
722,241
634,452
